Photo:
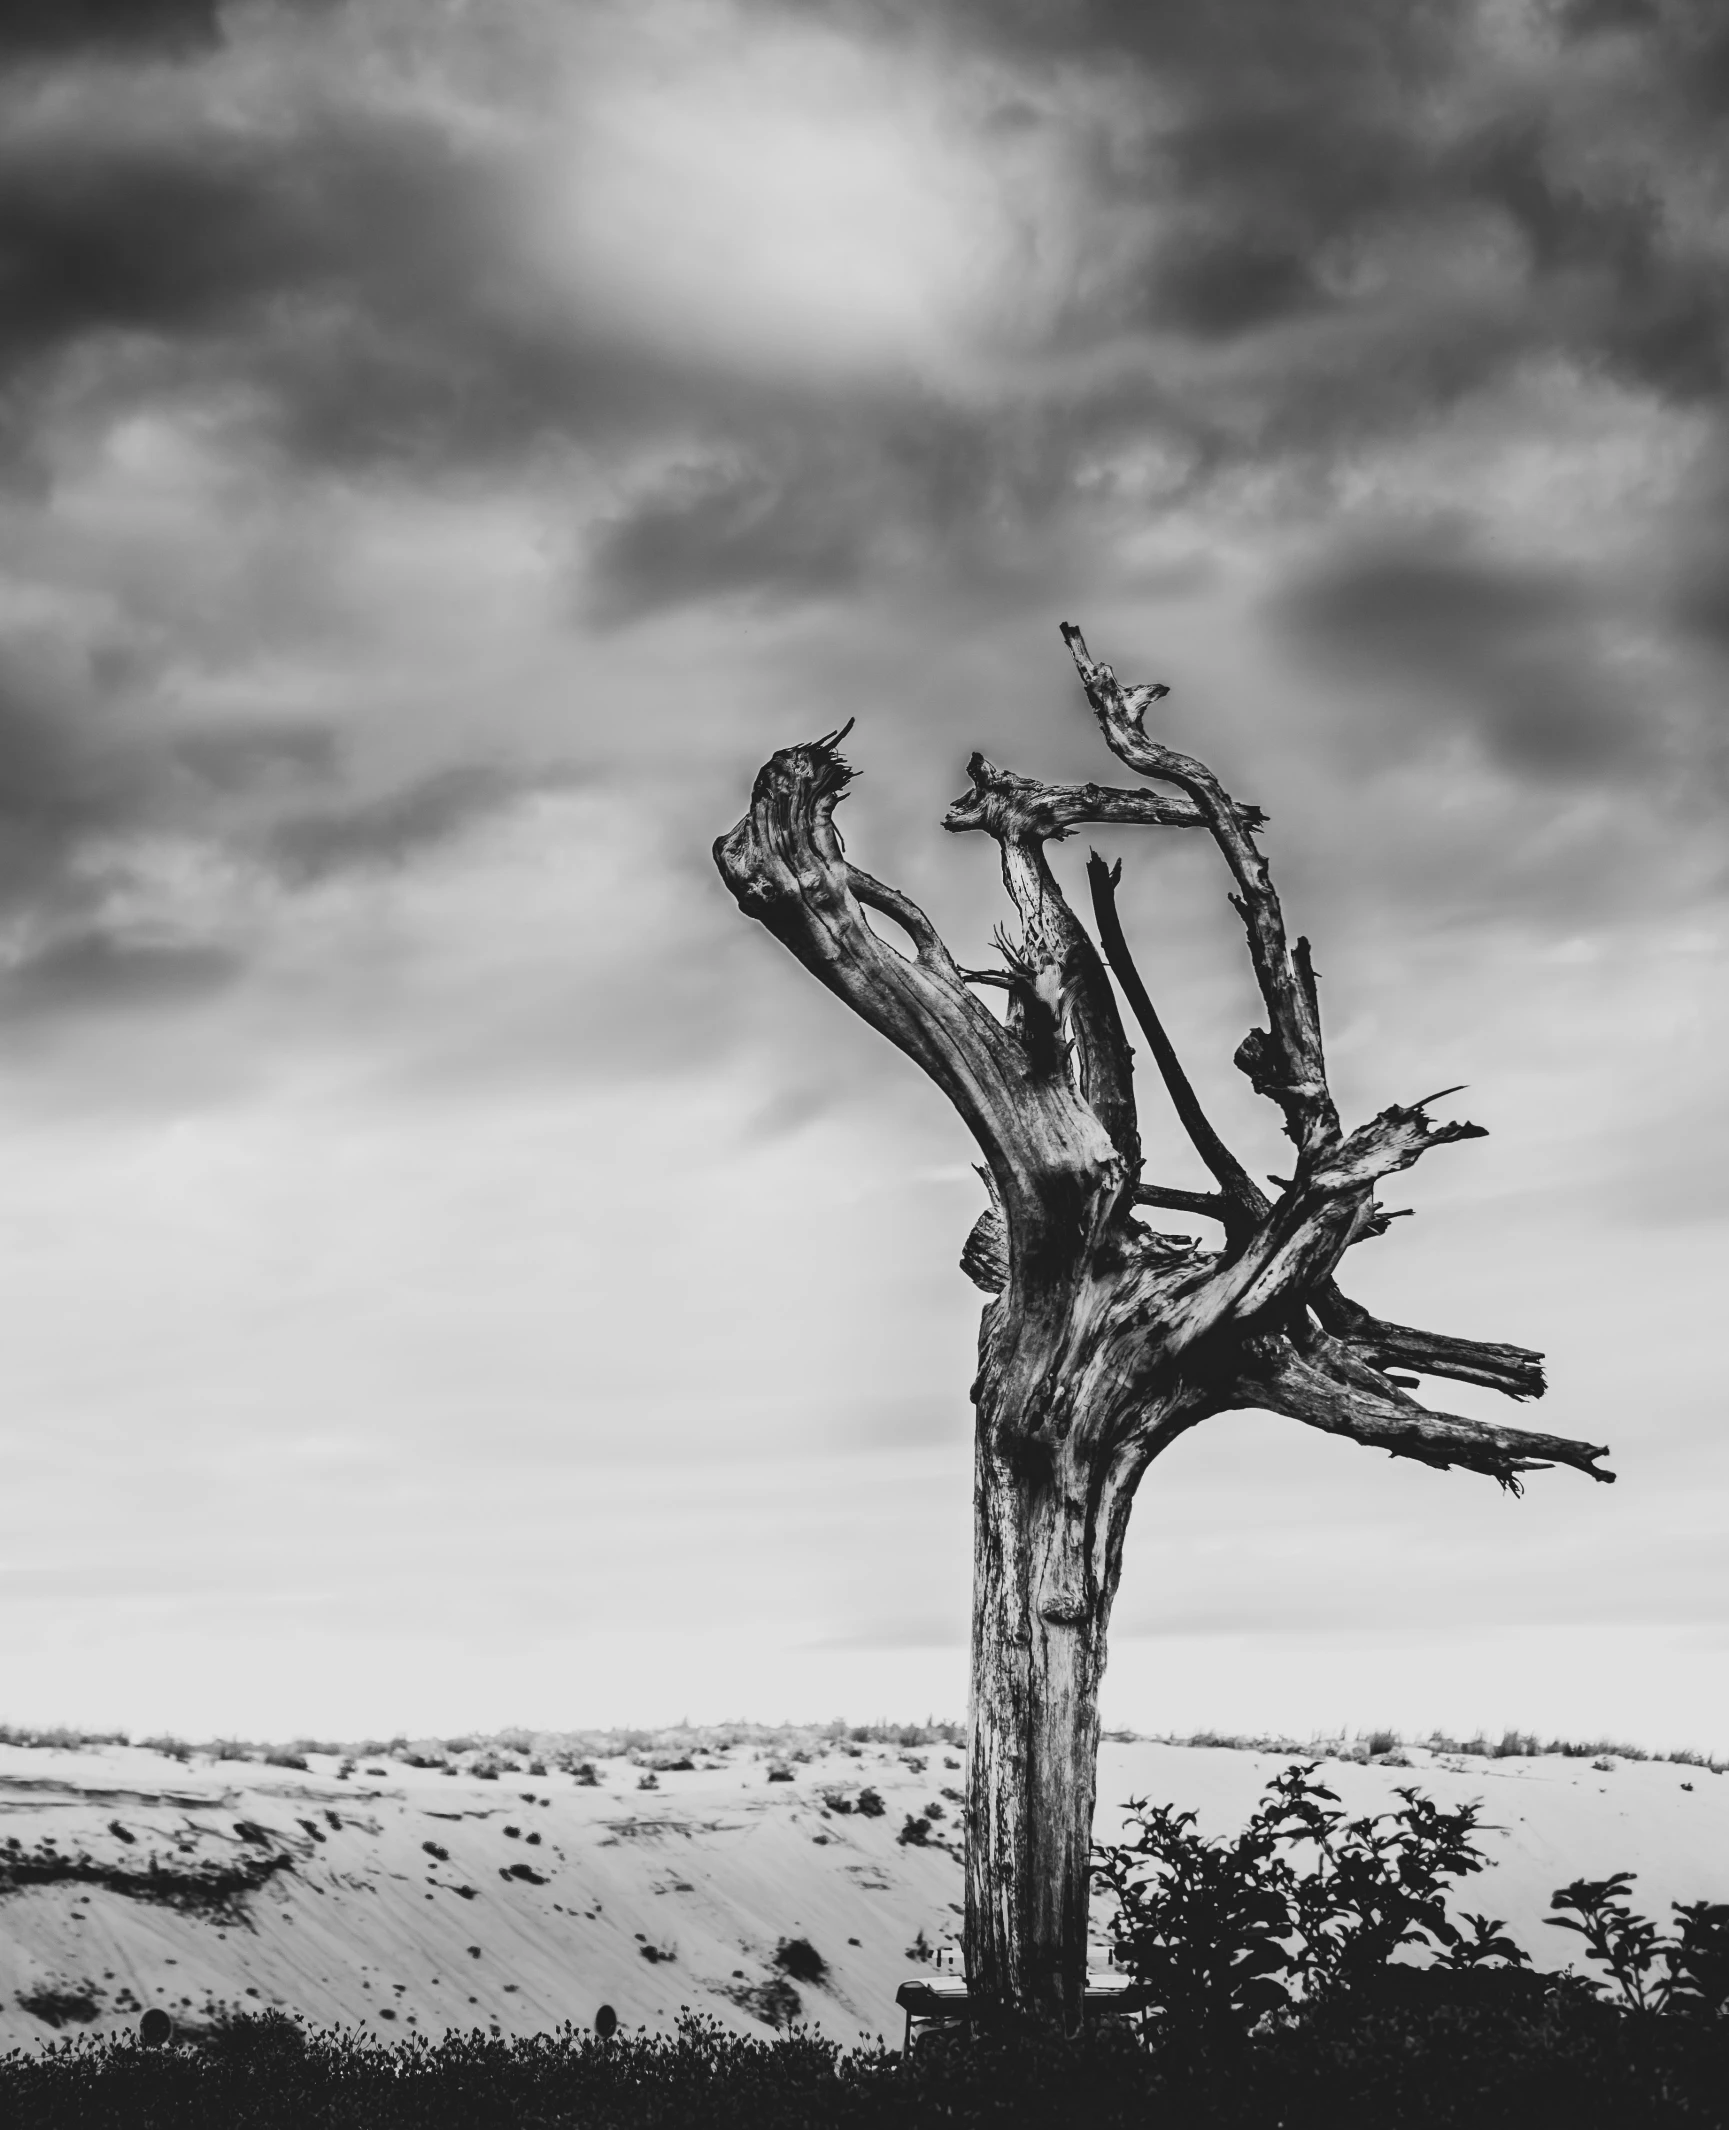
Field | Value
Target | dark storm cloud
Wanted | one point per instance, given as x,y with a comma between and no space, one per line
1284,144
76,776
55,28
183,231
1702,595
66,779
1295,166
350,265
1590,18
241,757
87,793
1463,645
390,829
1283,179
101,970
1258,41
1699,584
807,504
704,533
1653,306
1275,167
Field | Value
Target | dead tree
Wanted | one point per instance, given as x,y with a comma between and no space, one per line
1106,1339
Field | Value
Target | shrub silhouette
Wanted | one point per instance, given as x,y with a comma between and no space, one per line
1688,1972
799,1958
261,2038
1400,2065
1221,1933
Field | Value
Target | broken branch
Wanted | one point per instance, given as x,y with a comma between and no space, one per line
1330,1388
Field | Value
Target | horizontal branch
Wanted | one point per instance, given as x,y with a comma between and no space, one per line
1004,803
1329,1387
1515,1371
1207,1205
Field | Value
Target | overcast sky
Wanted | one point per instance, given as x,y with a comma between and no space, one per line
454,1269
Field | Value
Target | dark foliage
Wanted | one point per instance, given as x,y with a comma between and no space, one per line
799,1958
1443,2051
1688,1972
1279,1949
1302,1903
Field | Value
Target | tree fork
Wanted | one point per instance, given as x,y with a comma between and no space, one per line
1105,1339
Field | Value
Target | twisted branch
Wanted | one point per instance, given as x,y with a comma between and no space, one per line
785,866
1284,1061
1061,989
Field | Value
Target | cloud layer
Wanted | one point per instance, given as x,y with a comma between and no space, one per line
442,451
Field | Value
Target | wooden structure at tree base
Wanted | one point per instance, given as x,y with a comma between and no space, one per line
947,2001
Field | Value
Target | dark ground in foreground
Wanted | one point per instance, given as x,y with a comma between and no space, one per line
1428,2058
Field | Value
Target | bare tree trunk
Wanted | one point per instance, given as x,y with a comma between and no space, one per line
1105,1338
1033,1751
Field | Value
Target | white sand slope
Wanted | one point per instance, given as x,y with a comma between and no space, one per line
408,1900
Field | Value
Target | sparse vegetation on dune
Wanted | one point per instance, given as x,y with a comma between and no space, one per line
1305,1970
198,1888
1388,1744
667,1749
671,1748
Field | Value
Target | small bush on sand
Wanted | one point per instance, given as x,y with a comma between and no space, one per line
1688,1972
1302,1902
799,1958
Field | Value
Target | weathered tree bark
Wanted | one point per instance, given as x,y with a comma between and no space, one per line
1106,1339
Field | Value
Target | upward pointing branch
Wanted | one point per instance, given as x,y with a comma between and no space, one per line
786,867
1284,1061
1245,1203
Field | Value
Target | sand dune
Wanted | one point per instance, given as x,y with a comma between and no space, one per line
411,1899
